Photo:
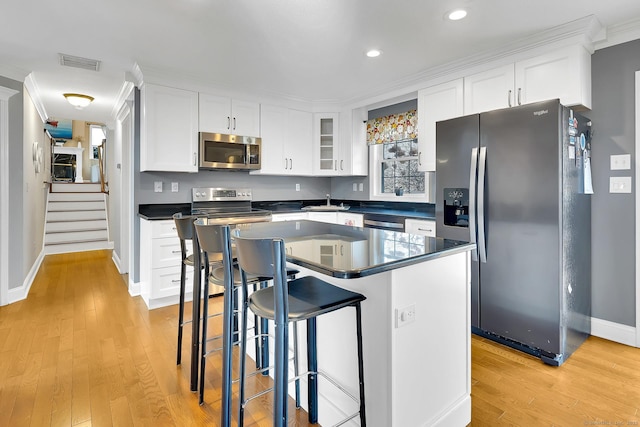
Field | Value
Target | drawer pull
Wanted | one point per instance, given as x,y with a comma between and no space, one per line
176,252
175,281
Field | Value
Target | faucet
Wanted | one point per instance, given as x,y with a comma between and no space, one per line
328,199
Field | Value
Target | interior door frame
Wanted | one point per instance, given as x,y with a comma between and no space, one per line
5,94
637,213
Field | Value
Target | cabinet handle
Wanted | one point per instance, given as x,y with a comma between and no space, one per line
336,166
176,252
519,96
228,122
341,250
509,98
335,249
341,165
428,230
419,158
286,163
175,281
290,164
234,123
195,158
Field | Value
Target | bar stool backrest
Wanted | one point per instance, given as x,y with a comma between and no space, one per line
265,257
184,225
212,237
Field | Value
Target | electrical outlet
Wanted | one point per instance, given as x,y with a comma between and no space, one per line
355,186
297,187
175,187
619,184
620,162
405,316
360,187
157,186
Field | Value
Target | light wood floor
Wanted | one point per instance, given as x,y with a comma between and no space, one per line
79,351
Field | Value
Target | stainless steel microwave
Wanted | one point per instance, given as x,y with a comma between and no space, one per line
221,151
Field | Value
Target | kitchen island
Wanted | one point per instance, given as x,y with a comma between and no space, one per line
416,321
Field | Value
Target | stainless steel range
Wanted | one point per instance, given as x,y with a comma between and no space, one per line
228,205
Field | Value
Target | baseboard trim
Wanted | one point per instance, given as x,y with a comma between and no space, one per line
612,331
22,292
116,261
134,288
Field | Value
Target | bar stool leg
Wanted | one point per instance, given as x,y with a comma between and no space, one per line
296,366
363,418
205,315
242,356
312,366
183,273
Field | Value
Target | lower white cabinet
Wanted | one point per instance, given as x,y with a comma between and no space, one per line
420,226
330,217
347,218
292,216
160,263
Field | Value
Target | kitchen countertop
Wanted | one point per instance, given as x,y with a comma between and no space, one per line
351,252
163,211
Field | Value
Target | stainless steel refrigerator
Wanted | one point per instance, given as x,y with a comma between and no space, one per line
517,181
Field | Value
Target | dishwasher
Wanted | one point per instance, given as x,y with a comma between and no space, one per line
384,222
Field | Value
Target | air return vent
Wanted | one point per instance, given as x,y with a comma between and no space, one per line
78,62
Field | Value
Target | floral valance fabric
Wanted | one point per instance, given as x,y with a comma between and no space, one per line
395,127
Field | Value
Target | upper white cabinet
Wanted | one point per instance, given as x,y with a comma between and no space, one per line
354,153
220,114
435,103
169,129
564,73
326,144
286,141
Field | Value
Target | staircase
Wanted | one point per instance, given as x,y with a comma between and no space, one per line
76,219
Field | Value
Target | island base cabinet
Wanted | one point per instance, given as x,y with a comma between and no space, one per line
418,374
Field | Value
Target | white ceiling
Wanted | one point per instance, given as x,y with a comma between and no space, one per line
309,50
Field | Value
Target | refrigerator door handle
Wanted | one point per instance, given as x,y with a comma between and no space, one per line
473,172
482,243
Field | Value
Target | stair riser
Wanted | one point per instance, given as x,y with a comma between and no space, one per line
76,236
75,206
75,188
53,227
80,197
77,247
75,216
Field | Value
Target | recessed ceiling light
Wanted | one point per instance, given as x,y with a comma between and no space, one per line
457,14
374,53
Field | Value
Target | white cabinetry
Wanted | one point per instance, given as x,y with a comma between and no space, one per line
326,144
160,263
435,103
424,227
287,137
564,73
220,114
169,129
330,217
354,153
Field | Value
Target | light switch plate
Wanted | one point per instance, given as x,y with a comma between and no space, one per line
175,187
157,186
355,186
620,184
620,162
360,187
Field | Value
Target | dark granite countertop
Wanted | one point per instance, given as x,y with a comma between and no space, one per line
163,210
352,251
409,210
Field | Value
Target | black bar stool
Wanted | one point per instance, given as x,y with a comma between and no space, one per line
214,240
304,298
184,227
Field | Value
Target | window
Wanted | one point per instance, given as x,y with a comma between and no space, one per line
96,136
394,174
399,168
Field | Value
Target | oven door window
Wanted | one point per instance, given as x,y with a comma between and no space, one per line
225,153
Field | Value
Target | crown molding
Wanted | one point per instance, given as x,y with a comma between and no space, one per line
620,33
32,87
125,92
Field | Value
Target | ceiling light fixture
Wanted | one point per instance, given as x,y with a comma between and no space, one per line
457,14
373,53
78,100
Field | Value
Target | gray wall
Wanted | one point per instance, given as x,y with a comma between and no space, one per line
613,215
16,220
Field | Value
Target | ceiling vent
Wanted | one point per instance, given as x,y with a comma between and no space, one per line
78,62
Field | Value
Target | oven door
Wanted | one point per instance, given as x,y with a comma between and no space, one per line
219,151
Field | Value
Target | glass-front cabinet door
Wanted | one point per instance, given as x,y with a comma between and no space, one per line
326,153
